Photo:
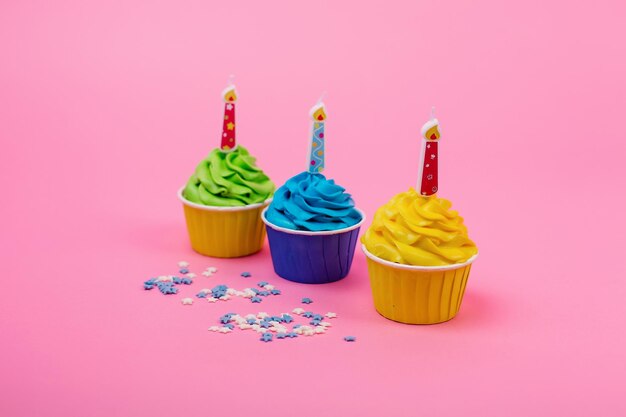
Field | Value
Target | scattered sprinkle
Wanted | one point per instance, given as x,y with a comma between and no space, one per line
306,300
266,337
187,301
349,339
246,274
331,315
183,264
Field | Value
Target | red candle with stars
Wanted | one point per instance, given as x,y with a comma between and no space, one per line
229,142
427,183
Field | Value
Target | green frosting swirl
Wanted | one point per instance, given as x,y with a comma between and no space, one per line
228,179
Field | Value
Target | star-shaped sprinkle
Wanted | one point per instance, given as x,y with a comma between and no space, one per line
325,324
262,284
266,337
187,301
246,274
275,292
211,299
350,339
191,275
184,271
183,264
306,300
256,299
297,310
331,315
262,315
225,330
214,328
281,335
207,273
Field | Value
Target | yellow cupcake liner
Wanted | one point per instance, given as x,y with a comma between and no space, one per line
417,294
224,232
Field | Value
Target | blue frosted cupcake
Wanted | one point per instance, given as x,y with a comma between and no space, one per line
312,223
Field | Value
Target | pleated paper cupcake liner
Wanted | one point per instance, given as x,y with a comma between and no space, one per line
417,294
224,232
312,257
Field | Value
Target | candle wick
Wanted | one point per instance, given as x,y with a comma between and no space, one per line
321,97
231,79
432,113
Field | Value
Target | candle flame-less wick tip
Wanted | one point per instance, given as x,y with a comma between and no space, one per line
432,113
319,100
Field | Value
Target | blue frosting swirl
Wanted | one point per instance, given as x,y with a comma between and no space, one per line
312,202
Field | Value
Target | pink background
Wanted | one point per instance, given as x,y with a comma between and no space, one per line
106,107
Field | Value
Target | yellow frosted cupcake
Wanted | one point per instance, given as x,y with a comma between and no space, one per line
418,250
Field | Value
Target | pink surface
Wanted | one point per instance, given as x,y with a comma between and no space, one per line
106,108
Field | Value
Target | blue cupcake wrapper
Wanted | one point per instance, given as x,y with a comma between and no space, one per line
312,257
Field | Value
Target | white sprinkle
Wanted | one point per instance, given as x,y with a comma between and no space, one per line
211,269
325,324
269,287
187,301
331,315
207,273
225,330
262,315
211,299
214,328
165,278
298,310
191,275
320,329
225,298
183,264
251,316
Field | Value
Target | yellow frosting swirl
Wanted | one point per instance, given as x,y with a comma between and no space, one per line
418,230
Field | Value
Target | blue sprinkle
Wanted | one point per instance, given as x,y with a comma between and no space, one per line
256,299
275,292
201,294
295,326
251,321
281,335
151,281
177,280
266,337
276,318
263,293
262,283
318,317
306,300
184,271
350,339
315,322
230,326
246,274
187,281
266,324
147,286
287,318
292,334
307,314
255,290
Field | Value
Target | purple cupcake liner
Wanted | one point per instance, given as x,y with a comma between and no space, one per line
312,257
